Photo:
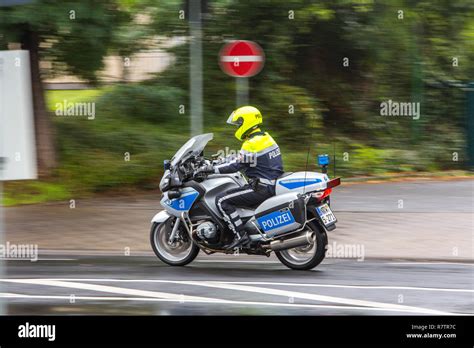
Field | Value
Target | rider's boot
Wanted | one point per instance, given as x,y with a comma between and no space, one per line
240,239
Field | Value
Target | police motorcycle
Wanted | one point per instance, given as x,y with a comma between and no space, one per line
293,223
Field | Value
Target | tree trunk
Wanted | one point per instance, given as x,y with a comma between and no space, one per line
44,131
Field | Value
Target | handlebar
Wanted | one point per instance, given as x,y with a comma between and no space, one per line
188,169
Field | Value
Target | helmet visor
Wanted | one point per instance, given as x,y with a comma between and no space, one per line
237,122
230,120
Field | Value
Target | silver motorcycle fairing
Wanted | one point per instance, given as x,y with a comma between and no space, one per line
213,185
218,183
276,200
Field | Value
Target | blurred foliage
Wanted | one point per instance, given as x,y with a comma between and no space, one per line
390,57
149,104
74,35
309,99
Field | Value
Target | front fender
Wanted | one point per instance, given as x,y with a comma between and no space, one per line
160,217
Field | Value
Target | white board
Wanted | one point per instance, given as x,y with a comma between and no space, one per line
17,136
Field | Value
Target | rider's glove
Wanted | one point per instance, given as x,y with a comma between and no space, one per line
209,168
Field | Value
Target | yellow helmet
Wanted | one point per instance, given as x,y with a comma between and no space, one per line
247,118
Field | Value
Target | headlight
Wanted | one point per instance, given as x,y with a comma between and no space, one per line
165,181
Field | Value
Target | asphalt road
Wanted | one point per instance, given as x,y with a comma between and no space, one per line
234,285
442,197
417,259
411,220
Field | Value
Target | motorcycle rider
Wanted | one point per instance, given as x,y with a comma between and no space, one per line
259,159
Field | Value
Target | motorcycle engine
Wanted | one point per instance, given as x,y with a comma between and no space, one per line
206,230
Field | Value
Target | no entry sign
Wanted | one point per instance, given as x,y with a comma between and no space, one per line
241,58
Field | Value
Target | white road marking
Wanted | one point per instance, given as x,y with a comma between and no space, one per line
70,283
431,263
110,289
39,259
368,287
87,252
315,297
148,299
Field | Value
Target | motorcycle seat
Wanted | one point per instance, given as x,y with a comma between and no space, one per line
284,174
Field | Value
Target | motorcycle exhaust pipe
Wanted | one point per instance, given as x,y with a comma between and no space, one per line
302,240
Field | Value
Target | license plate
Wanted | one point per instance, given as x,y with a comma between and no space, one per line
326,215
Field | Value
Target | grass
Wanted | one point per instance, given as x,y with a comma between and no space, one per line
29,192
71,96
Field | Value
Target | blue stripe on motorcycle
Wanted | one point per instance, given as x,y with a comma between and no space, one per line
184,203
295,183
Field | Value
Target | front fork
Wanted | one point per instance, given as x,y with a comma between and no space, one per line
174,231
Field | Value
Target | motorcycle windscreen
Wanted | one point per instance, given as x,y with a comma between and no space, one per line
192,147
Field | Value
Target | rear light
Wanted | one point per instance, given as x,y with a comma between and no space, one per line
326,193
322,194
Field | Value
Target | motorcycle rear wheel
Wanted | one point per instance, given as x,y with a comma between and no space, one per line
180,253
308,257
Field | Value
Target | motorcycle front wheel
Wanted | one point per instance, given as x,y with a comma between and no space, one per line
307,257
179,253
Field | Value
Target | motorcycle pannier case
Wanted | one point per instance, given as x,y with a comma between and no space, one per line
281,214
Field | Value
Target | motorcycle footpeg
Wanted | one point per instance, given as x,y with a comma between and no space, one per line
244,240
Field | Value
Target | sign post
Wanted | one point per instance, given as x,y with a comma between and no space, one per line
242,89
195,67
470,124
241,59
